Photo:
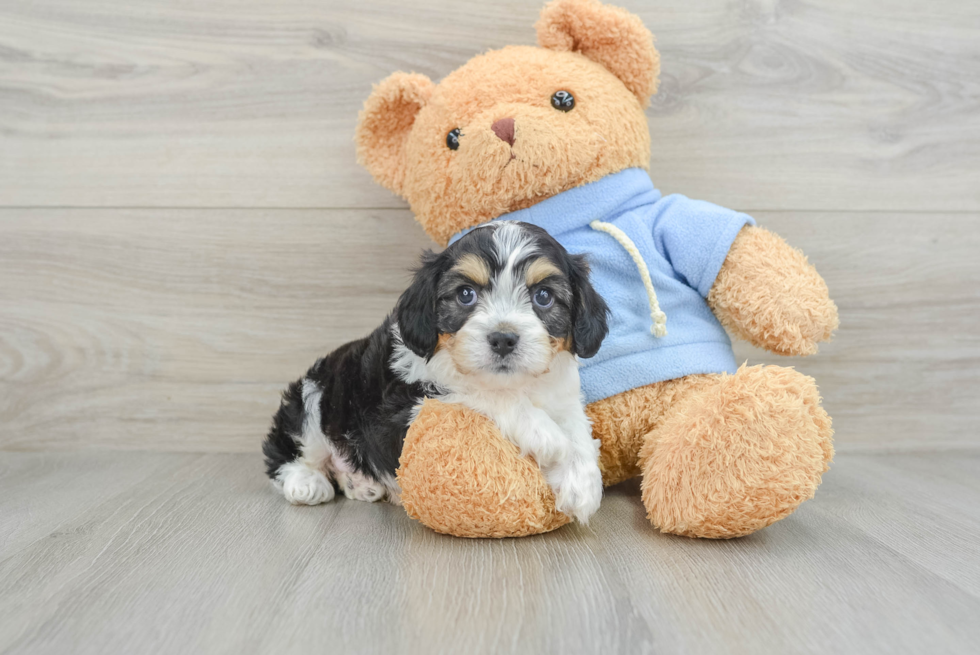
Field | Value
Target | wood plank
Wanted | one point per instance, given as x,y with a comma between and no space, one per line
166,329
176,329
205,557
945,488
44,492
767,105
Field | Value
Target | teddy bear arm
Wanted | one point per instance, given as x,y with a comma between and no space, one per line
768,294
459,476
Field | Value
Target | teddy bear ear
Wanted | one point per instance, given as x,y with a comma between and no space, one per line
607,35
385,122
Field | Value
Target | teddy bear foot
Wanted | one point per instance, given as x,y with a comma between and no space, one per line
459,476
737,455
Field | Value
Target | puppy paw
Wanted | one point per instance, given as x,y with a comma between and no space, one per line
578,489
305,486
357,486
546,444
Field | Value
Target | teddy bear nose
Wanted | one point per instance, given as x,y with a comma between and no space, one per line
504,129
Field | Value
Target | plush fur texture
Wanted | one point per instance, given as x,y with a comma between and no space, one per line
385,123
622,423
720,455
460,477
609,36
768,294
736,453
401,135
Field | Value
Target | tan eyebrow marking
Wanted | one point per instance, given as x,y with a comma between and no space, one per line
473,267
540,269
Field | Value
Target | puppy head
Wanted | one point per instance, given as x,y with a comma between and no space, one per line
502,302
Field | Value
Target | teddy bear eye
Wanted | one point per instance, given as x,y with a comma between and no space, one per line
452,139
563,101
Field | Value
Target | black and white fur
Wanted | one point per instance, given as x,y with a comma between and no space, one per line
342,426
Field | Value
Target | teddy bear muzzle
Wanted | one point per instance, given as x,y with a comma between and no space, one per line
504,129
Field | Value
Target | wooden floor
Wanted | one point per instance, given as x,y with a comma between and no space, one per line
182,553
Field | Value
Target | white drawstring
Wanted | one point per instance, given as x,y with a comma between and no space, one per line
659,327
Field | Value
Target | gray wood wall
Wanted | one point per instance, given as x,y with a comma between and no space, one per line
183,227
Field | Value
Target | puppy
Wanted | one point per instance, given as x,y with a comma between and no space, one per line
494,323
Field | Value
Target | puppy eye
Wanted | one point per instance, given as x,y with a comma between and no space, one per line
452,139
466,296
543,298
563,101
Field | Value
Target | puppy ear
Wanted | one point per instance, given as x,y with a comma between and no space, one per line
607,35
589,311
385,122
416,308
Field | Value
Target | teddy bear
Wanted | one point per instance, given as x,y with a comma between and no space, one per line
556,135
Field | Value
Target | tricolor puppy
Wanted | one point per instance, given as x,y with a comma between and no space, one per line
495,323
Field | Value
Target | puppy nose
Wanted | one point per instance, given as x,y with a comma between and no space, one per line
502,343
504,129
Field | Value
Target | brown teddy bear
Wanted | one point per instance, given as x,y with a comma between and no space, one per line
556,135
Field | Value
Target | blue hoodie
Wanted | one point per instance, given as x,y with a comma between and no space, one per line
682,242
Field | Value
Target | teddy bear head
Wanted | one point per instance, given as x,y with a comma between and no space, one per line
515,126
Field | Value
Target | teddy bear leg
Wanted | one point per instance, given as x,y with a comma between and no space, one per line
459,476
736,455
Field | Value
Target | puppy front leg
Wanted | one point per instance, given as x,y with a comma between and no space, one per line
568,459
577,480
534,432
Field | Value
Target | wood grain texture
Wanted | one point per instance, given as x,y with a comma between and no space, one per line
176,329
764,105
851,128
195,553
